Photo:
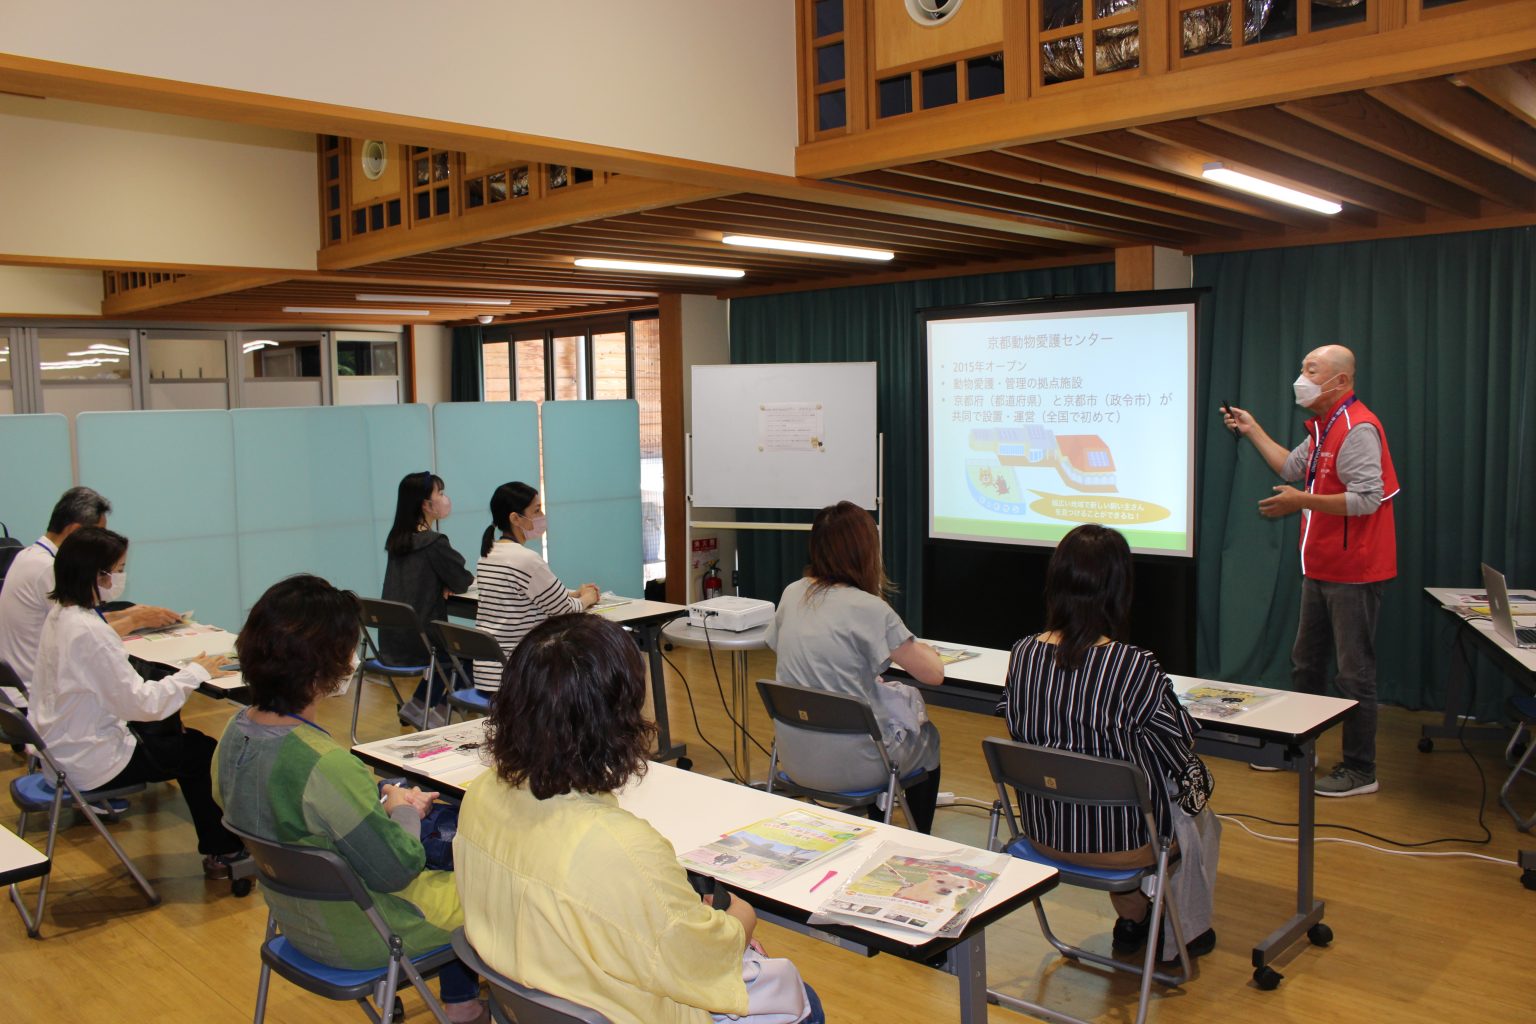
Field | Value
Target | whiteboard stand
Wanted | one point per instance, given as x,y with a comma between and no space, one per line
689,523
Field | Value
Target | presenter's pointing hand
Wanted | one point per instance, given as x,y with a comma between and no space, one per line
1237,419
1283,502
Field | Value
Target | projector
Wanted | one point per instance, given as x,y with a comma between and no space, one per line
734,614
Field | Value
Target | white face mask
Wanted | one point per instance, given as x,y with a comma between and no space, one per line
536,524
115,588
439,507
346,681
1306,391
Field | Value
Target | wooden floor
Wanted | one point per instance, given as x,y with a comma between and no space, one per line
1417,939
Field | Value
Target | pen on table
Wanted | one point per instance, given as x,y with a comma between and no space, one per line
824,879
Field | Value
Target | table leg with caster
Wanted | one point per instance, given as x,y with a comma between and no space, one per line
1308,919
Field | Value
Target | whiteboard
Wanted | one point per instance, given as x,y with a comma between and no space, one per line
784,435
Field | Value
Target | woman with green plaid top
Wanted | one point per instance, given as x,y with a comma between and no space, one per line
280,776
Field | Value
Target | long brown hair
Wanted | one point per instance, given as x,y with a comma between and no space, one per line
845,548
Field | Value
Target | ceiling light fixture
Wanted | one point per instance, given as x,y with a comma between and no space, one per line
641,266
259,343
438,300
856,252
1224,175
349,310
117,350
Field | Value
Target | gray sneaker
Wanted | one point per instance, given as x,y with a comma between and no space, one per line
1346,781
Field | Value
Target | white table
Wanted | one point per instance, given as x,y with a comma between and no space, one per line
1517,663
642,618
176,645
684,634
691,810
20,860
1281,733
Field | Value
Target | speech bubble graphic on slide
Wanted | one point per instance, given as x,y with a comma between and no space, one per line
1086,508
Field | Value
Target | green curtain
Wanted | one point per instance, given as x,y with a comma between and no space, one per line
464,364
1445,337
879,323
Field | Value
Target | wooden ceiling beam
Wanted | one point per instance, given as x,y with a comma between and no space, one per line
642,225
186,289
766,209
1281,131
893,236
956,270
1512,87
1464,119
1150,179
1266,162
1014,164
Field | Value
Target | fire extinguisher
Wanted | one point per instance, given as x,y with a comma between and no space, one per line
711,581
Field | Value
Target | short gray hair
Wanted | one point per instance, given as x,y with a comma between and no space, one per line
80,506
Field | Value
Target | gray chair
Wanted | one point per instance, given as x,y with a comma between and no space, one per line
379,614
526,1005
1067,777
42,791
464,645
11,681
836,715
308,873
1523,709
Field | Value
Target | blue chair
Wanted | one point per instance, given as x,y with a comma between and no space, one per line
42,791
1068,777
834,714
304,872
465,645
1523,710
379,614
526,1005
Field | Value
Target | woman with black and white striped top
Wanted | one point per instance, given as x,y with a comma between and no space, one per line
517,589
1075,687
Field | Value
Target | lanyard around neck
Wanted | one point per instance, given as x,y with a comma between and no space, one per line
1317,447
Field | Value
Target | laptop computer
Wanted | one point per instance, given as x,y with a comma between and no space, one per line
1498,611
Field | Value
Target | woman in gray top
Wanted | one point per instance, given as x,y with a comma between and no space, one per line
834,631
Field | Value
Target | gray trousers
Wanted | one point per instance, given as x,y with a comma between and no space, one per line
1339,619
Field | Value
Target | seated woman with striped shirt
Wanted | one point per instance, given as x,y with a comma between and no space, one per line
1076,687
517,589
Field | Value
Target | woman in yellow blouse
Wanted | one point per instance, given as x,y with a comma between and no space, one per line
565,891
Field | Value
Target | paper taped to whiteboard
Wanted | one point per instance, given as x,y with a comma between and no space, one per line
791,427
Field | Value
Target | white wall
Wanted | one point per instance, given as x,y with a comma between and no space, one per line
41,291
706,341
85,182
710,80
434,347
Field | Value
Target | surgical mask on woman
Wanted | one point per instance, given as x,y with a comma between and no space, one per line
536,524
116,587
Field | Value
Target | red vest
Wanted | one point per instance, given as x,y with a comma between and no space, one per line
1346,549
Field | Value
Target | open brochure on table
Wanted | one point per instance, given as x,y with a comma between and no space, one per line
930,892
774,848
1208,701
440,752
608,601
950,655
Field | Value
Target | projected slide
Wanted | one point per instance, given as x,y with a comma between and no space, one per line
1043,420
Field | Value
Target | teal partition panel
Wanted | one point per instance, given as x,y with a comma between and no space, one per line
170,478
304,485
35,468
480,446
592,474
399,442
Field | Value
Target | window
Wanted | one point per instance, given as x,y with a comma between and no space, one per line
368,358
610,359
187,357
84,356
283,359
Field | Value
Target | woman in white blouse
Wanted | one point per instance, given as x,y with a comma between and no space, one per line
517,589
87,700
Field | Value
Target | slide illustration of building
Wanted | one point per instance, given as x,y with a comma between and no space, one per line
1083,461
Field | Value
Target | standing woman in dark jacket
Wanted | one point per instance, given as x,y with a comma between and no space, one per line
422,571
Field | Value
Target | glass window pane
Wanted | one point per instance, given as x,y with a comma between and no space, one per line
570,368
84,358
610,366
367,358
268,358
496,364
5,361
187,358
530,370
647,356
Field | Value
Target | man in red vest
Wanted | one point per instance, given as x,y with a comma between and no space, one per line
1348,545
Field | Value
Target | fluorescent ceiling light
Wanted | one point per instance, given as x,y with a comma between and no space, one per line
117,350
439,300
856,252
594,263
350,310
1269,189
260,343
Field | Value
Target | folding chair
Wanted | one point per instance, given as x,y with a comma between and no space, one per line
1523,709
34,793
308,873
464,645
1088,781
837,715
526,1005
10,680
380,614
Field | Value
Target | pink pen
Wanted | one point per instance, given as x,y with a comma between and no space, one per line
823,881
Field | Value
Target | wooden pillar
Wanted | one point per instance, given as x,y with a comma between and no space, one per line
1133,268
673,456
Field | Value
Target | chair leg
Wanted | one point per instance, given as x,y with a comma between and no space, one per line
386,998
1521,768
357,699
426,994
265,979
122,855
